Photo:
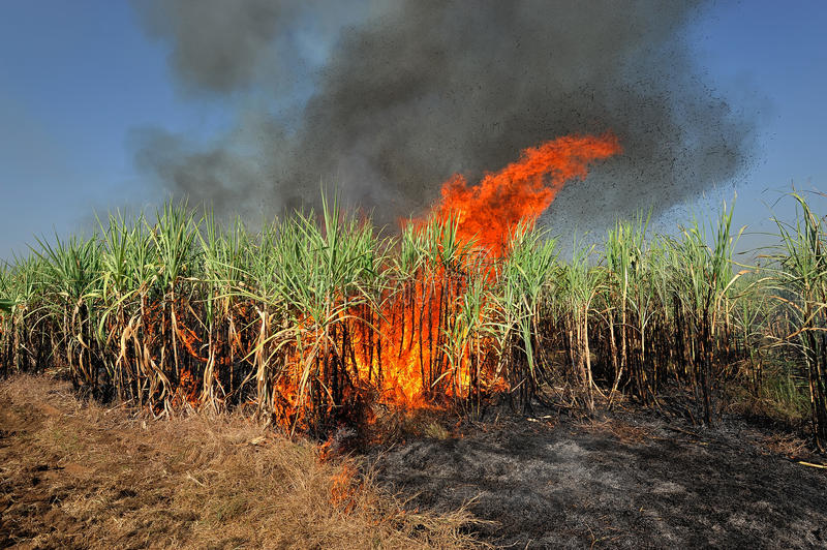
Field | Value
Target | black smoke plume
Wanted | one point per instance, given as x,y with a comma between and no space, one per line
407,92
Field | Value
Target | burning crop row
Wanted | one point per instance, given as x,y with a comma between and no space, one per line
317,322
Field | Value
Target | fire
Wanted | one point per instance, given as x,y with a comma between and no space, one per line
486,214
417,348
523,190
407,363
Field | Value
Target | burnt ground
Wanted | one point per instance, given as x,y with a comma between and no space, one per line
620,483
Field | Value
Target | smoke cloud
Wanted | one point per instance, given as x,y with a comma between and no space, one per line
387,99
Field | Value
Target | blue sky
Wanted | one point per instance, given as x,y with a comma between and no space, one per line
77,77
771,57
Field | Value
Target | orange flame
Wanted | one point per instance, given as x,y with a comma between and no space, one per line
414,366
522,190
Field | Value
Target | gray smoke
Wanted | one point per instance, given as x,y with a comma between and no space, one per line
404,93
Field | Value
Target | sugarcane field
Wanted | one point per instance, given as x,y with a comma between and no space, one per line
412,275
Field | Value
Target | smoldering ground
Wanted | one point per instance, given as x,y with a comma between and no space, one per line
385,100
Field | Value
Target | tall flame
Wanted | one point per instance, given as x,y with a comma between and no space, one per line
522,190
487,213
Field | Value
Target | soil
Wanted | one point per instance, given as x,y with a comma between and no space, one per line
618,483
79,475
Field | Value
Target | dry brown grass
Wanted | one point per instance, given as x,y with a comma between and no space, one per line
786,444
624,432
81,475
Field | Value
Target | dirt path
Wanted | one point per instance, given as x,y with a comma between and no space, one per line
618,485
27,493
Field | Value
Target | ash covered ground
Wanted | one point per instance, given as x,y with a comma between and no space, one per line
617,483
